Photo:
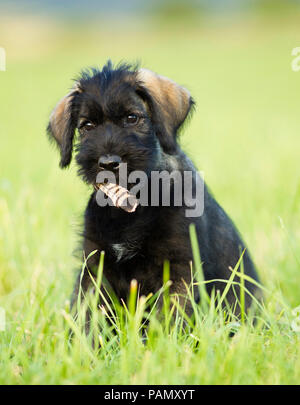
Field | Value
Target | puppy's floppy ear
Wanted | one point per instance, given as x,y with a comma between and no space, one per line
62,126
169,103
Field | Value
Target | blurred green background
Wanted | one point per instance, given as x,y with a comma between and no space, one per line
234,57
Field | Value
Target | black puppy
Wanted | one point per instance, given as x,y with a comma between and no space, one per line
130,115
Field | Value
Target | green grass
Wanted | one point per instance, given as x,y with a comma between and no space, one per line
244,135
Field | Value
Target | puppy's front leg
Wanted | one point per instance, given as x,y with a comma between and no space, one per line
182,288
86,280
90,297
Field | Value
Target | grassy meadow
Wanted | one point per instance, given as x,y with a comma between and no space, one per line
244,135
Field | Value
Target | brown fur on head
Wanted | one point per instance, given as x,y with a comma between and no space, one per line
170,104
61,128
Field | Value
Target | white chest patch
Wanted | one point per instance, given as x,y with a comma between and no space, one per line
123,251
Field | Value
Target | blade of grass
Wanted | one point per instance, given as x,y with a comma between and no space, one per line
198,271
229,282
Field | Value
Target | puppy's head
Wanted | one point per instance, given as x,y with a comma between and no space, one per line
122,114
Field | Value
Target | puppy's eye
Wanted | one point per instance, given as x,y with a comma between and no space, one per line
87,125
131,119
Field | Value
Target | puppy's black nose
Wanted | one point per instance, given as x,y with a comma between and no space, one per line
109,162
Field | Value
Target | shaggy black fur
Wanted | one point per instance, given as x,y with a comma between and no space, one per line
136,244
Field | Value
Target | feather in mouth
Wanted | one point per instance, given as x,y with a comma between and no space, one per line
120,196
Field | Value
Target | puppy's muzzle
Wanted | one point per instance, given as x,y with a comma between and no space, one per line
109,162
